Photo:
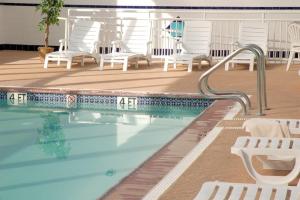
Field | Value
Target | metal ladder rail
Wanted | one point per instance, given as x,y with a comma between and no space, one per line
229,95
225,96
261,83
241,97
263,73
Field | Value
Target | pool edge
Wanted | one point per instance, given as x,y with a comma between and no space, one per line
196,130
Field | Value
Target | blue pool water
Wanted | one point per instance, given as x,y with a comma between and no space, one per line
50,153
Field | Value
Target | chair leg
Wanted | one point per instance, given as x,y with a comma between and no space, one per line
69,63
148,62
125,64
292,53
190,66
58,61
200,65
175,64
46,62
251,67
97,60
166,65
209,61
137,63
82,61
101,64
227,66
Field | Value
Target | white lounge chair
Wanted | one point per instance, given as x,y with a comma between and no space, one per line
250,33
195,45
134,46
294,33
238,191
284,149
292,124
83,42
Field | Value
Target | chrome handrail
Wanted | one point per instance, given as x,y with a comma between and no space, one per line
241,97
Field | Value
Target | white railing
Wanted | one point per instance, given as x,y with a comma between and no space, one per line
225,27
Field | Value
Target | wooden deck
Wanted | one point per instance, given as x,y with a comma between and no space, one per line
23,69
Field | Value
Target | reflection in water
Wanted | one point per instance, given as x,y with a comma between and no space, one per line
51,137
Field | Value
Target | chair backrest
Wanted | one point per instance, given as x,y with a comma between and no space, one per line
135,36
110,31
254,33
83,36
294,32
197,37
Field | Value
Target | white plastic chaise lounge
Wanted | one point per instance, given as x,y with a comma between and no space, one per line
133,47
282,149
83,42
250,33
294,33
195,45
240,191
293,125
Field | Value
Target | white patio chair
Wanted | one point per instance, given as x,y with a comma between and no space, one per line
250,33
294,33
283,149
133,47
238,191
195,45
83,41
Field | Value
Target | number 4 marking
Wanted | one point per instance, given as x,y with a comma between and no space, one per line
122,102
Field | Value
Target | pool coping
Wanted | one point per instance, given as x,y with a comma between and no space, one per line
158,190
143,179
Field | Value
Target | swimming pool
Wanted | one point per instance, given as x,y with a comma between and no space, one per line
59,153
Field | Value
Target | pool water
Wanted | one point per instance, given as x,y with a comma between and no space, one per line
76,154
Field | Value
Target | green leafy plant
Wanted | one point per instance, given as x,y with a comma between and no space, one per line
50,11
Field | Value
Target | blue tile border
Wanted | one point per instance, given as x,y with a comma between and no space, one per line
164,7
95,99
3,95
91,101
46,97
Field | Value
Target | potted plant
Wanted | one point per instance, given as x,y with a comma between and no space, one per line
50,11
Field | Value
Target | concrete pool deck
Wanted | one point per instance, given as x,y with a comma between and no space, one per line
24,69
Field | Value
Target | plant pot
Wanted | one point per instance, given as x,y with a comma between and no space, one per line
43,51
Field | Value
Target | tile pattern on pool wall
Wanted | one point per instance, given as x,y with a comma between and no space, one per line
59,100
171,101
47,99
91,99
3,95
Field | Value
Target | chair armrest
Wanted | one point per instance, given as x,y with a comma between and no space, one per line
97,46
233,46
176,45
115,44
62,44
149,48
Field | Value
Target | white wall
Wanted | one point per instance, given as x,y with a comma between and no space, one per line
2,41
245,3
21,28
19,23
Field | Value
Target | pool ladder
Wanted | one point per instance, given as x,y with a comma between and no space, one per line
241,97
